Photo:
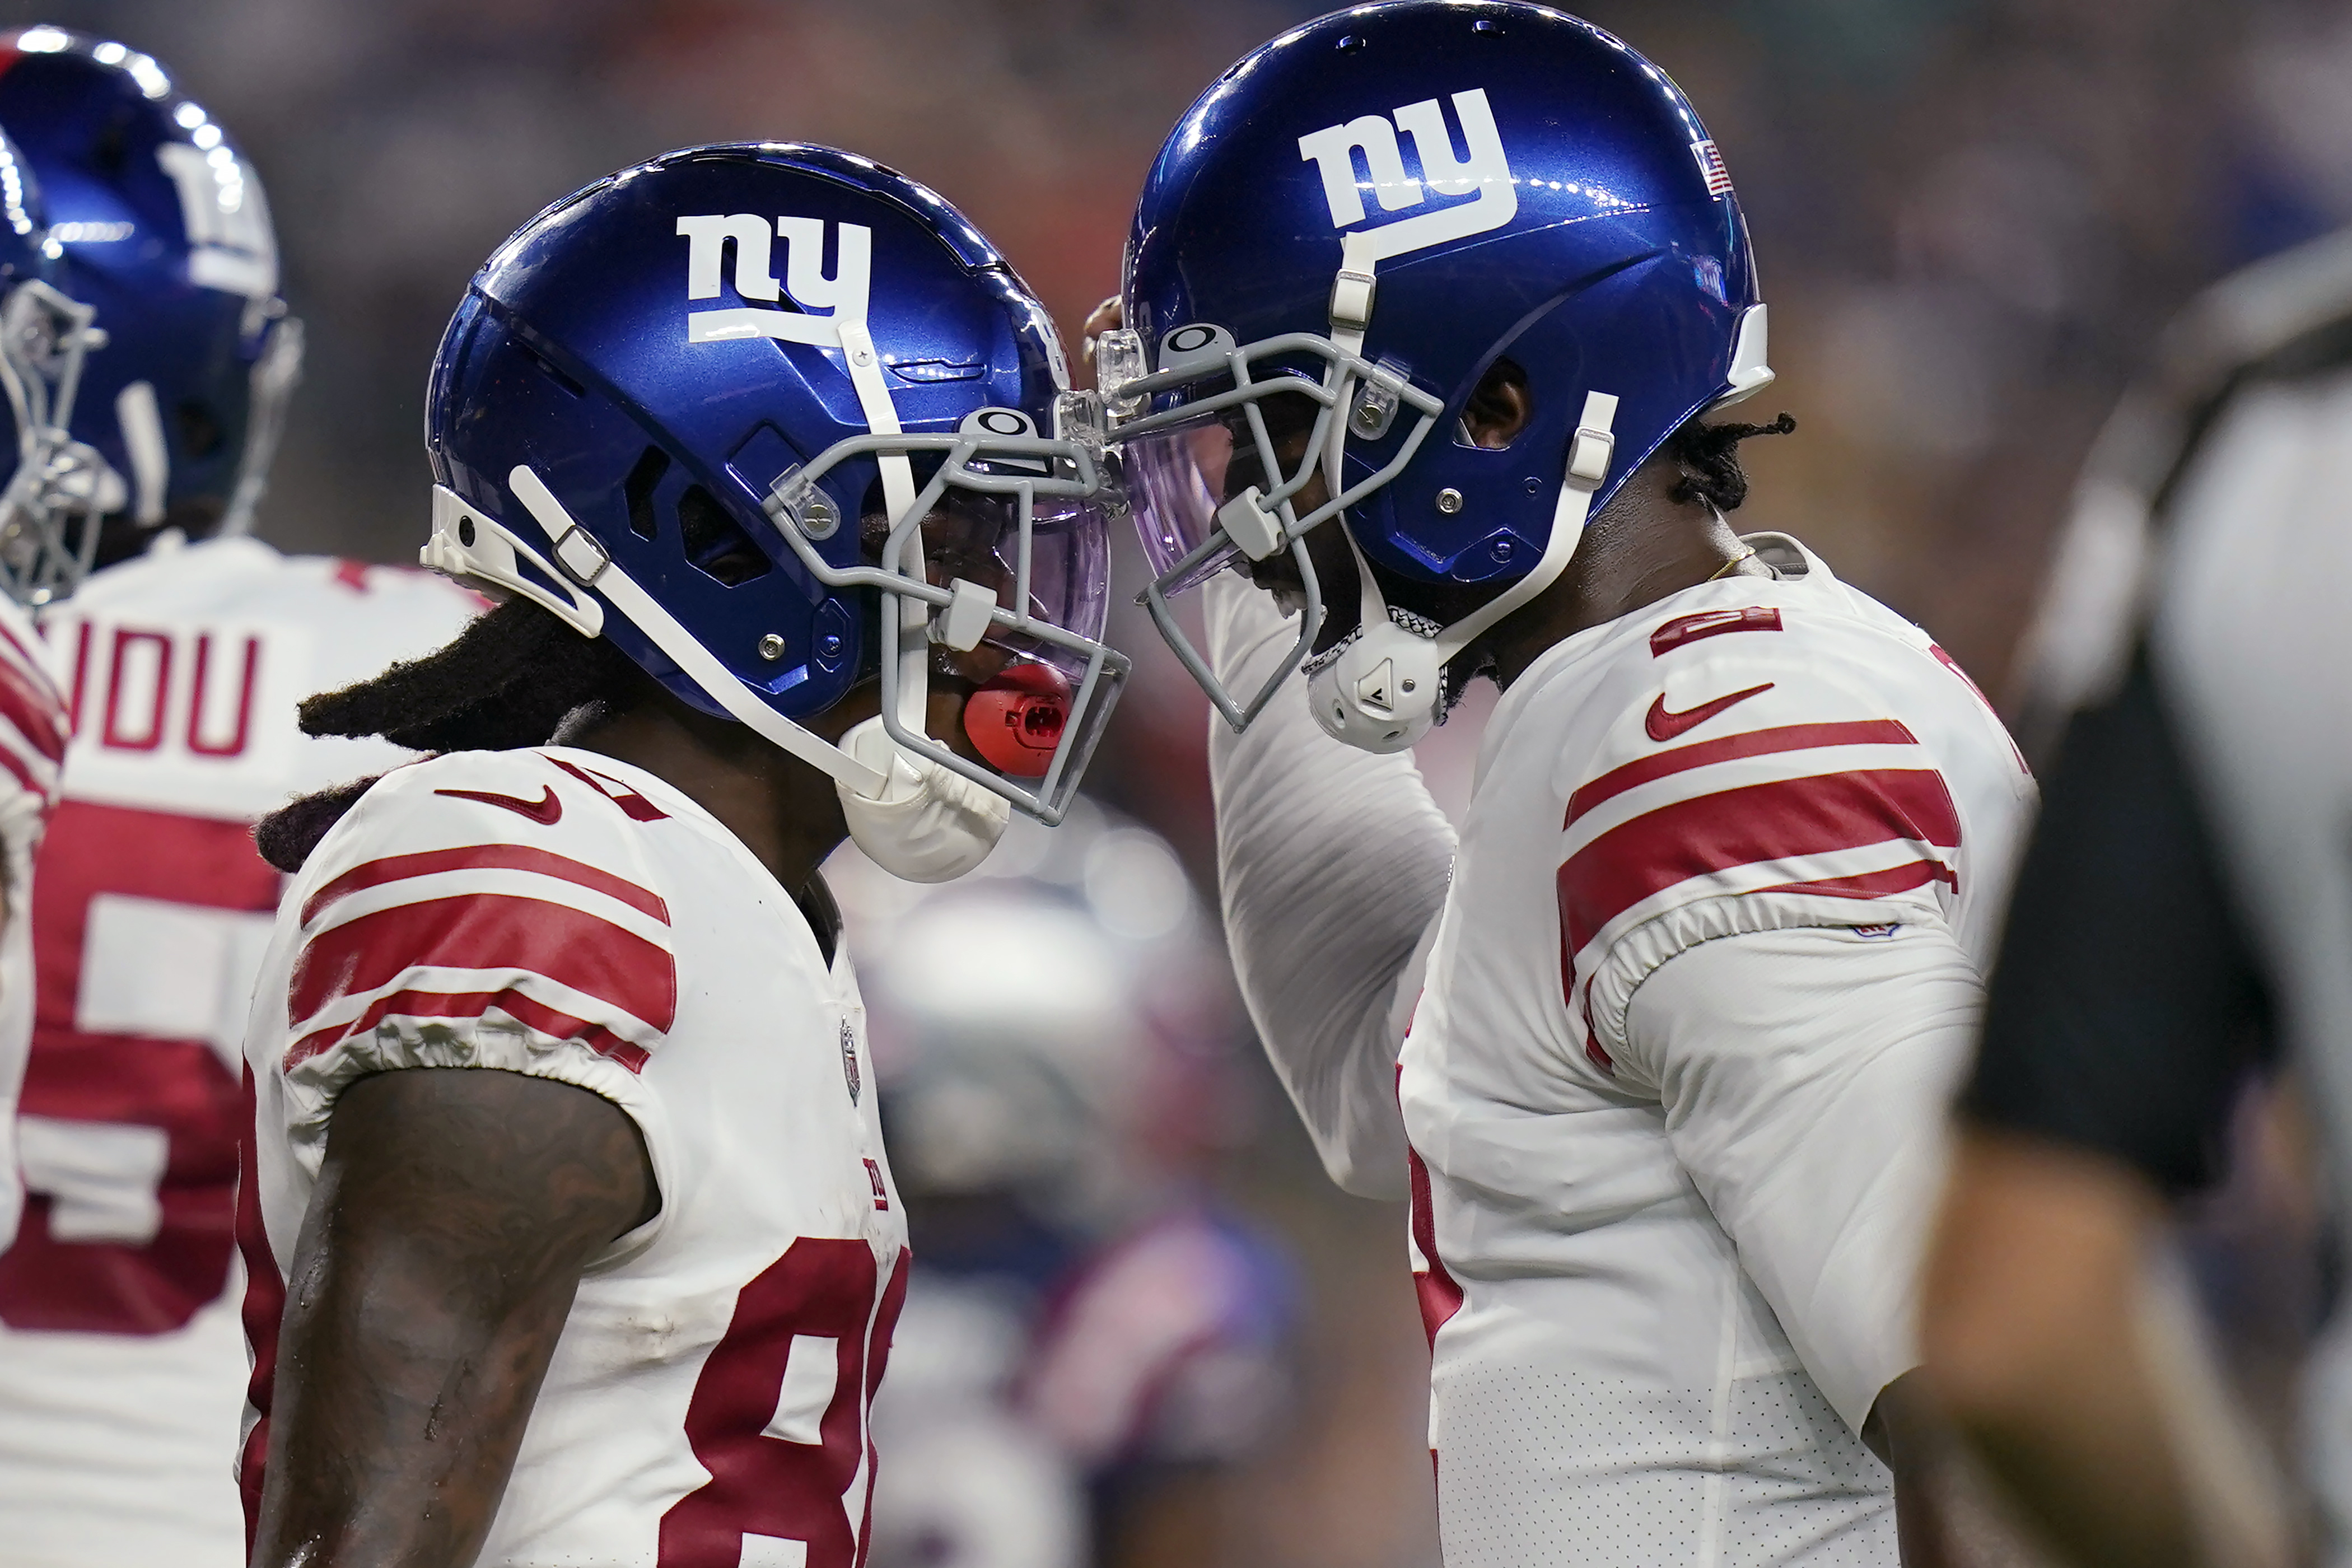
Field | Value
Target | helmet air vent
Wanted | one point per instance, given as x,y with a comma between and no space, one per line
553,374
637,490
713,543
201,434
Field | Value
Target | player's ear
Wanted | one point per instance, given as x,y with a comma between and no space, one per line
1499,407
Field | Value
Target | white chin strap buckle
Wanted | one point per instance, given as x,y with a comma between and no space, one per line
1381,694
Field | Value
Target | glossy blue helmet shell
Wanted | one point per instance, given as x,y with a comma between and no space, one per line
27,252
1596,242
50,520
164,230
572,356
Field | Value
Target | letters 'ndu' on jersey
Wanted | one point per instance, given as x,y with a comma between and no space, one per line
1607,1383
33,729
558,914
122,1366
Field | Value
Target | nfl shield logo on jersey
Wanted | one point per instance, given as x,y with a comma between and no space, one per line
849,1061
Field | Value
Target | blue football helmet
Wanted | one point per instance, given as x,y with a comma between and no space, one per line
164,231
1369,213
45,338
776,420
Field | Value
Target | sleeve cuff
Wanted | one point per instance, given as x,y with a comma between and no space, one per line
493,1041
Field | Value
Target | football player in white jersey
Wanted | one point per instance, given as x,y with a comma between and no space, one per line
122,1366
2180,925
570,1232
1685,997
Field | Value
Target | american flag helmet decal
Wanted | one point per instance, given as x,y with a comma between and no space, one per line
1710,164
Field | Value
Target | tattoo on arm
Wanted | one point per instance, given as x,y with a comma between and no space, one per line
436,1267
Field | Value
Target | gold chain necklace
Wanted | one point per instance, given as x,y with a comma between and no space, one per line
1728,567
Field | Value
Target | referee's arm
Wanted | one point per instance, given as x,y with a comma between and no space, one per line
2124,1013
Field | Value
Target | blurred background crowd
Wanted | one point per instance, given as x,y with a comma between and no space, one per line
1973,218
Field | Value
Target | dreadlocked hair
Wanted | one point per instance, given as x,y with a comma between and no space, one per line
511,679
507,680
1708,456
287,836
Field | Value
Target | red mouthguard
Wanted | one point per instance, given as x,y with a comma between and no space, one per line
1015,720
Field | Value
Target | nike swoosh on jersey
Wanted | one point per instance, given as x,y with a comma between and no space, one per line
547,809
1663,724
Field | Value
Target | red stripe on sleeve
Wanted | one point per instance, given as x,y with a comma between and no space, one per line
1713,833
13,641
34,667
35,709
486,931
1754,743
471,1004
491,856
20,771
264,1307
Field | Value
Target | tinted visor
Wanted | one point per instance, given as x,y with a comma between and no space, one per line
1178,477
977,538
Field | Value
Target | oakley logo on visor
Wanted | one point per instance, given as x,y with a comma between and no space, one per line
1485,174
843,292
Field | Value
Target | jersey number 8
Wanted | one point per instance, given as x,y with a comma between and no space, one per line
778,1415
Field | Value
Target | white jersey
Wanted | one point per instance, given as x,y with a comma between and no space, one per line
1668,1273
559,913
33,729
121,1366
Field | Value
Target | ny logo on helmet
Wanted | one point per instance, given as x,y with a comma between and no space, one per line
843,293
1484,173
231,245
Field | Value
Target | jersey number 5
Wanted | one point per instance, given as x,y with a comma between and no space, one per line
778,1415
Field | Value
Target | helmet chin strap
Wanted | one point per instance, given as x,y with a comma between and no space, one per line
912,816
1381,693
584,561
911,641
918,820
